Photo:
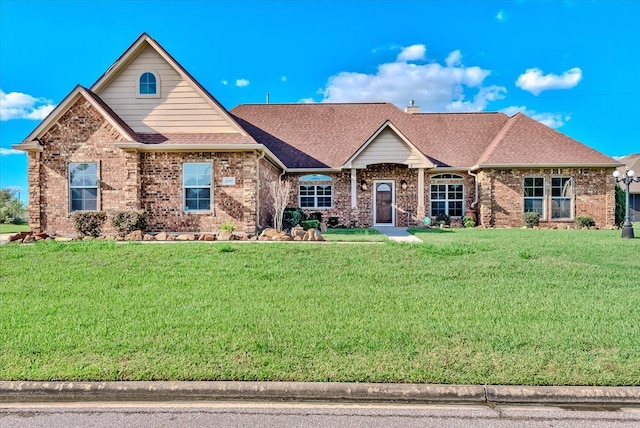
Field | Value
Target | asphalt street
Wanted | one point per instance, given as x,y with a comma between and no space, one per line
273,414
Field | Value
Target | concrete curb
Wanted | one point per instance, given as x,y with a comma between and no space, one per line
17,391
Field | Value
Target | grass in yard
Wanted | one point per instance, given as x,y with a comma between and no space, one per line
13,228
467,306
353,235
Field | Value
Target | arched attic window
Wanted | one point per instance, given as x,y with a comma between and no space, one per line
447,176
148,84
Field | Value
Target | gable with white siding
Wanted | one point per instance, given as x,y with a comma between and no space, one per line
388,145
180,106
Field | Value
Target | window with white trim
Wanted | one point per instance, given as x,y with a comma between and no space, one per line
534,195
561,198
148,84
196,186
83,186
447,198
315,191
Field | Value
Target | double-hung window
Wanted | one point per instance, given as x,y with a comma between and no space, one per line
83,186
196,185
534,195
315,191
447,198
561,198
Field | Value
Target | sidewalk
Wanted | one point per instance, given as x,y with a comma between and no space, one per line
398,234
17,391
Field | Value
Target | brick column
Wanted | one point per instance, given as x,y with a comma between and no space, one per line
33,170
132,184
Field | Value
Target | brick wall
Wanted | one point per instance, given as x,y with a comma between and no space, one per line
162,197
502,203
81,135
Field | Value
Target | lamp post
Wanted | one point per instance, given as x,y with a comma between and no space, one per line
627,179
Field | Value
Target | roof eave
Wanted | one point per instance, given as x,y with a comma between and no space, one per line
132,146
29,146
544,165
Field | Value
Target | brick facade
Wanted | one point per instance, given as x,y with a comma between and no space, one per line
80,135
502,199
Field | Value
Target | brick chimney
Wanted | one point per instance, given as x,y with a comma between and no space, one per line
412,108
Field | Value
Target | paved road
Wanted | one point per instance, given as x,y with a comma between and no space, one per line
267,415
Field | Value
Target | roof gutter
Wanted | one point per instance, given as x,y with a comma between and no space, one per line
142,147
543,165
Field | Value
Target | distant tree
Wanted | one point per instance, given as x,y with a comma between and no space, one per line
11,209
280,191
621,205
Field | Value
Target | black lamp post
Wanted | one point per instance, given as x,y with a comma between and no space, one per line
627,179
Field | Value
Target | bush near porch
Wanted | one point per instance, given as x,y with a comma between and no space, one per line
469,306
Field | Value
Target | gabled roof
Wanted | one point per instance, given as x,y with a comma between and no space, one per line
524,141
330,135
135,49
631,162
424,162
77,93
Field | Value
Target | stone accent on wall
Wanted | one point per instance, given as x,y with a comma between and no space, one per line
34,175
502,199
268,173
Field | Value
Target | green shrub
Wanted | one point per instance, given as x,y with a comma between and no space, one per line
126,222
531,219
310,224
292,217
333,222
315,216
228,226
468,221
585,221
443,219
88,223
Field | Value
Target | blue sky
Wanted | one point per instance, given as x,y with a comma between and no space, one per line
570,64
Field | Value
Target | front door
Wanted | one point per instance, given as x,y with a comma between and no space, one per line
383,202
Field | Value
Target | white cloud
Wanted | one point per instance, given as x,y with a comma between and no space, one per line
552,120
7,152
501,16
241,83
283,79
224,82
306,100
413,53
433,86
16,105
535,81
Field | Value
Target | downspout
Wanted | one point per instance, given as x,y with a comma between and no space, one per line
258,159
475,180
474,204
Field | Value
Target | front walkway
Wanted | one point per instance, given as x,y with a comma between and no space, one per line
397,234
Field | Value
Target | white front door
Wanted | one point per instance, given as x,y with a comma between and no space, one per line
384,201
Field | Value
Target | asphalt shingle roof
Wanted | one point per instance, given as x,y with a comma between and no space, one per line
326,135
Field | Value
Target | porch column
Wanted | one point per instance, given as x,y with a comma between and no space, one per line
354,188
420,210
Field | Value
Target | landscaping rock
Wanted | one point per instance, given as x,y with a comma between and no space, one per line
170,238
136,235
88,238
63,239
225,235
313,235
207,237
29,239
297,231
110,237
282,237
162,236
18,237
186,237
148,237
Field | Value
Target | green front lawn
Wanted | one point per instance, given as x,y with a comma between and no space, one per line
353,235
468,306
13,228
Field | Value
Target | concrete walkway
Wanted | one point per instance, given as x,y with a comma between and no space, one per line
398,234
18,391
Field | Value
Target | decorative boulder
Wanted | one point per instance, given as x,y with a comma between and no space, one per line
162,236
136,235
296,232
312,235
186,237
148,237
225,235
